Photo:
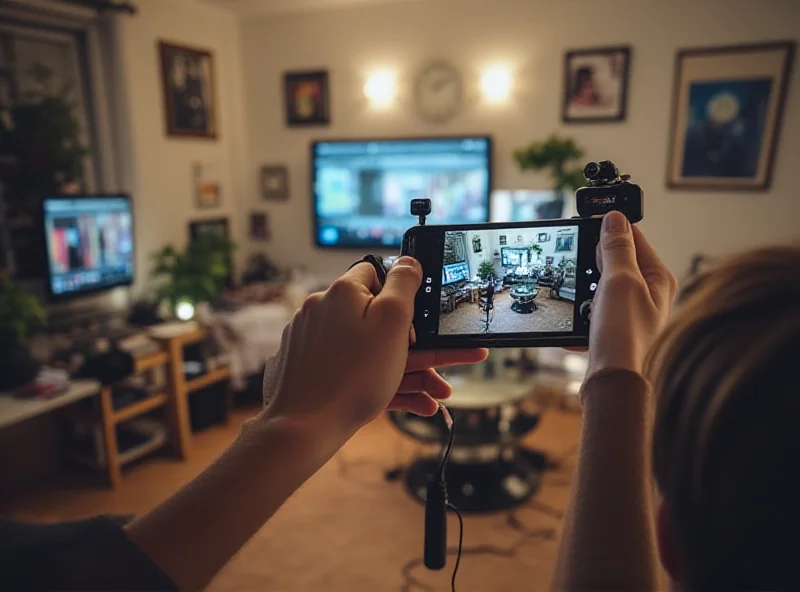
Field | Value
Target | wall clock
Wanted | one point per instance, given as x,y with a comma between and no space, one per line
439,93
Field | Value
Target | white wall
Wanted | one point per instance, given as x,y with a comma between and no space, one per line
531,36
158,169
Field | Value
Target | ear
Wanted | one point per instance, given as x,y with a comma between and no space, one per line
668,544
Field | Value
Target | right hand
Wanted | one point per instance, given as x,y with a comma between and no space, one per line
633,301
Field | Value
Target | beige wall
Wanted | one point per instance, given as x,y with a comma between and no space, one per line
155,168
531,36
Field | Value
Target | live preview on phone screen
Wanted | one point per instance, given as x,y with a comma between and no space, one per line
505,281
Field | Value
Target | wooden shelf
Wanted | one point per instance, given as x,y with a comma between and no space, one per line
140,407
208,379
151,360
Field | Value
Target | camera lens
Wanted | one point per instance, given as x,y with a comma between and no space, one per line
607,170
591,171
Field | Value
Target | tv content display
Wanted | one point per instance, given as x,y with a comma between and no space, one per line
362,189
89,243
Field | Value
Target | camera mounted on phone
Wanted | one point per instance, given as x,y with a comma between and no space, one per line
607,190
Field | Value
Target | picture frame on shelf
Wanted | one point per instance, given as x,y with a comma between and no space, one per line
727,113
274,180
307,98
596,84
188,87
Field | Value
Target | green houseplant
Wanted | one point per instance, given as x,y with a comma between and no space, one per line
21,314
486,271
558,156
196,274
535,249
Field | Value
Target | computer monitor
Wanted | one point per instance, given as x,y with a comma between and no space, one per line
362,189
89,243
455,272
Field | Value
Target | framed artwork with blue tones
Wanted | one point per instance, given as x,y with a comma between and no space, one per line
727,110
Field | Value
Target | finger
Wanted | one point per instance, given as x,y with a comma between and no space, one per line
427,381
660,281
417,403
365,275
617,249
396,299
422,359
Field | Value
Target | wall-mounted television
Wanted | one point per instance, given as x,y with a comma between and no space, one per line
455,272
362,189
89,243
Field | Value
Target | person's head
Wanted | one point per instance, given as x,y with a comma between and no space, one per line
726,444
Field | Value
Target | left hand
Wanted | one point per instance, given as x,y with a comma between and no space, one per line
344,357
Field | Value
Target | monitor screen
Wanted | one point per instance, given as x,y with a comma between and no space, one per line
363,189
455,272
89,243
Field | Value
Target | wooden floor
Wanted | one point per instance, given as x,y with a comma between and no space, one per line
347,529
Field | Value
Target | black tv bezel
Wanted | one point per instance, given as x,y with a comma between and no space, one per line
63,297
361,247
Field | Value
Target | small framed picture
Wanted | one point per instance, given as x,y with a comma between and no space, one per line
596,84
543,237
207,186
274,182
503,239
726,118
307,99
564,242
187,76
259,226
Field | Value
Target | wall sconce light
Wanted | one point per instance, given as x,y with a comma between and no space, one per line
496,84
381,88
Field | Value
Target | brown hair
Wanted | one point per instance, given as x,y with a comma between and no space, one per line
726,444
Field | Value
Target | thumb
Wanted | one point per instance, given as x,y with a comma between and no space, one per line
617,250
402,283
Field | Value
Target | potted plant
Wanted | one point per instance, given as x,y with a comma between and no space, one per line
21,314
556,155
486,271
535,249
193,276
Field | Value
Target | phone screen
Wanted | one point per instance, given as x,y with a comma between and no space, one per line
503,280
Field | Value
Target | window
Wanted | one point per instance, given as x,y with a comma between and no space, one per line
52,133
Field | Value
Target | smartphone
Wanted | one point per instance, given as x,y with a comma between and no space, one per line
521,284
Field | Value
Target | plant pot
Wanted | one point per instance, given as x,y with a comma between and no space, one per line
17,367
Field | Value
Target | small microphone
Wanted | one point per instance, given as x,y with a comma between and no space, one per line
435,554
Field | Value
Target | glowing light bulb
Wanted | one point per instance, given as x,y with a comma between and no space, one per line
496,84
381,88
184,310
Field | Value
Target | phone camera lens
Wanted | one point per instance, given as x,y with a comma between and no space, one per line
591,171
607,170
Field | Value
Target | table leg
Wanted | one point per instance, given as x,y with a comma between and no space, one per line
110,437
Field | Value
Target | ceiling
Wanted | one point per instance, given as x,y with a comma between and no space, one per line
249,7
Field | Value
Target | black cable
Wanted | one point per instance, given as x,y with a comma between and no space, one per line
460,545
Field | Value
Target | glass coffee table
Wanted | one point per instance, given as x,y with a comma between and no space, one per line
524,299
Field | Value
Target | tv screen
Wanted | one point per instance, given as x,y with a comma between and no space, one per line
363,189
455,272
89,243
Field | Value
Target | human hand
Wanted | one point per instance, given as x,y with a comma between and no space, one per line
634,297
344,357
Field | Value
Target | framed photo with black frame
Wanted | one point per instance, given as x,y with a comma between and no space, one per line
727,112
596,84
307,98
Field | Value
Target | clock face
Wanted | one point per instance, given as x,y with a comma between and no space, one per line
438,93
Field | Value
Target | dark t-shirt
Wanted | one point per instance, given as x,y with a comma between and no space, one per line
93,554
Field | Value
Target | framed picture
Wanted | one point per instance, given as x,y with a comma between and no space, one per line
274,182
503,239
596,84
207,186
564,242
188,84
726,116
543,237
307,100
259,226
